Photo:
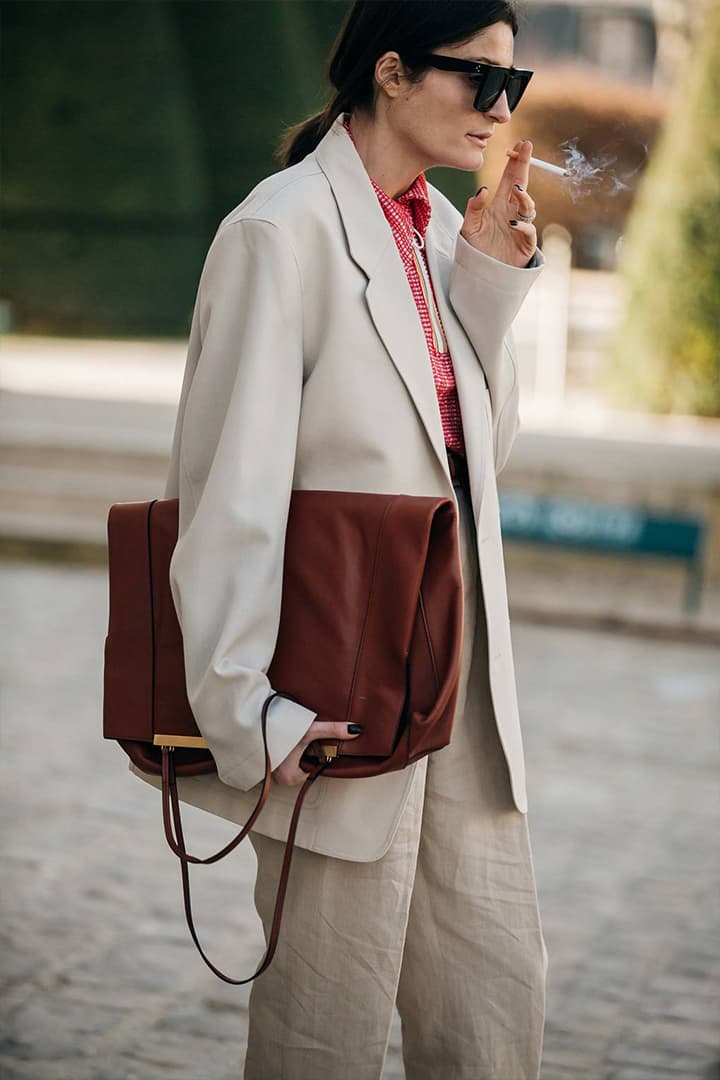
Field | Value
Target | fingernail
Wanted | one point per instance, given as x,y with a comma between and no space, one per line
513,221
483,188
354,729
519,187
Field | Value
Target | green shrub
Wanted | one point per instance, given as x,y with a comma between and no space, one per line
666,357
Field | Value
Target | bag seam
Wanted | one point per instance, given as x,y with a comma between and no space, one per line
371,595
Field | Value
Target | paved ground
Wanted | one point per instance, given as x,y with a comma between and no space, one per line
101,981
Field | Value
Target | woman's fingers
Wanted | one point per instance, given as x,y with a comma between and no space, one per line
526,236
288,773
523,227
480,199
329,729
494,225
517,170
525,204
474,210
524,207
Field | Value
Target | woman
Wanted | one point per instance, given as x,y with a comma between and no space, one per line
352,331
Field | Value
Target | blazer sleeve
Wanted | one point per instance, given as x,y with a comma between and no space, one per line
486,296
235,446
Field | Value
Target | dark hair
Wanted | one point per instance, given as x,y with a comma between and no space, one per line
373,27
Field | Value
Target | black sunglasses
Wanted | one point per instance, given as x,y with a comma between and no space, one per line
489,79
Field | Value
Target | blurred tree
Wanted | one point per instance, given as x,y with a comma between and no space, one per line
667,353
253,67
104,194
130,129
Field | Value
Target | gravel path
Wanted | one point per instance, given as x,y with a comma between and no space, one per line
101,982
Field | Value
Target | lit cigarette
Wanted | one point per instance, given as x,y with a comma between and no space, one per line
540,164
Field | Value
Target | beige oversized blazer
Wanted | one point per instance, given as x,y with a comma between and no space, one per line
308,368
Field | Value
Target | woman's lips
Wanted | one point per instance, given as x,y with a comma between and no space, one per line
479,140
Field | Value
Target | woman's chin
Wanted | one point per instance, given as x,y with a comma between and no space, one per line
465,162
475,161
476,158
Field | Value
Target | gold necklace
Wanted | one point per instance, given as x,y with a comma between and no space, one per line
439,338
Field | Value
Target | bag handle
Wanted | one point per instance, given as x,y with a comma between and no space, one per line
171,802
169,787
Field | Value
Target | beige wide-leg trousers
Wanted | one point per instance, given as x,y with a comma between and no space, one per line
445,924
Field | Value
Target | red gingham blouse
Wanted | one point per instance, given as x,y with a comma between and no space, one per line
413,208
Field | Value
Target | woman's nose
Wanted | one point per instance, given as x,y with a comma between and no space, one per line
500,111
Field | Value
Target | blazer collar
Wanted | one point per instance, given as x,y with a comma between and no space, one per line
365,224
387,293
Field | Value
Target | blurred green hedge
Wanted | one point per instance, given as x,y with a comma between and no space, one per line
667,353
130,129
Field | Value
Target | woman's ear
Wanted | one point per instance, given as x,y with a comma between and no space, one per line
389,73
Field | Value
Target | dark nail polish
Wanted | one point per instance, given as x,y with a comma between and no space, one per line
512,221
354,729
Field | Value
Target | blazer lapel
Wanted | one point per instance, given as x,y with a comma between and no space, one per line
388,294
469,374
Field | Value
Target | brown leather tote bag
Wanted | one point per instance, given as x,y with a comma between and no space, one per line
370,632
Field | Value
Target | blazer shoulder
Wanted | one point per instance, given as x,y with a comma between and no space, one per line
285,198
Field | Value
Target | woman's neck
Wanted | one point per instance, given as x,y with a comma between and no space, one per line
385,160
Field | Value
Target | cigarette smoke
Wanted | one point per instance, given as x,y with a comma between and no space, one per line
596,175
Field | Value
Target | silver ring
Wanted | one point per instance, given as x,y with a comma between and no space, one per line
527,218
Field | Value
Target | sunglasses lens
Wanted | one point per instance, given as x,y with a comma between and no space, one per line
492,83
489,89
515,89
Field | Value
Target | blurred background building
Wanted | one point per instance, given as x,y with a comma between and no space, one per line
641,41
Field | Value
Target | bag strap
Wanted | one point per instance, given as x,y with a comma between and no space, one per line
171,803
169,789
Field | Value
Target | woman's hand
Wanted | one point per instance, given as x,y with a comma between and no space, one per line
488,223
288,773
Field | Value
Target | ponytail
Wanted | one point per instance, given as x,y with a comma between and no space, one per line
301,139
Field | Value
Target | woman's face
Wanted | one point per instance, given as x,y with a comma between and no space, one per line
435,118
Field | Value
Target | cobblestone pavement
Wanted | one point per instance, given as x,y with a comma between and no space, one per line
101,981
